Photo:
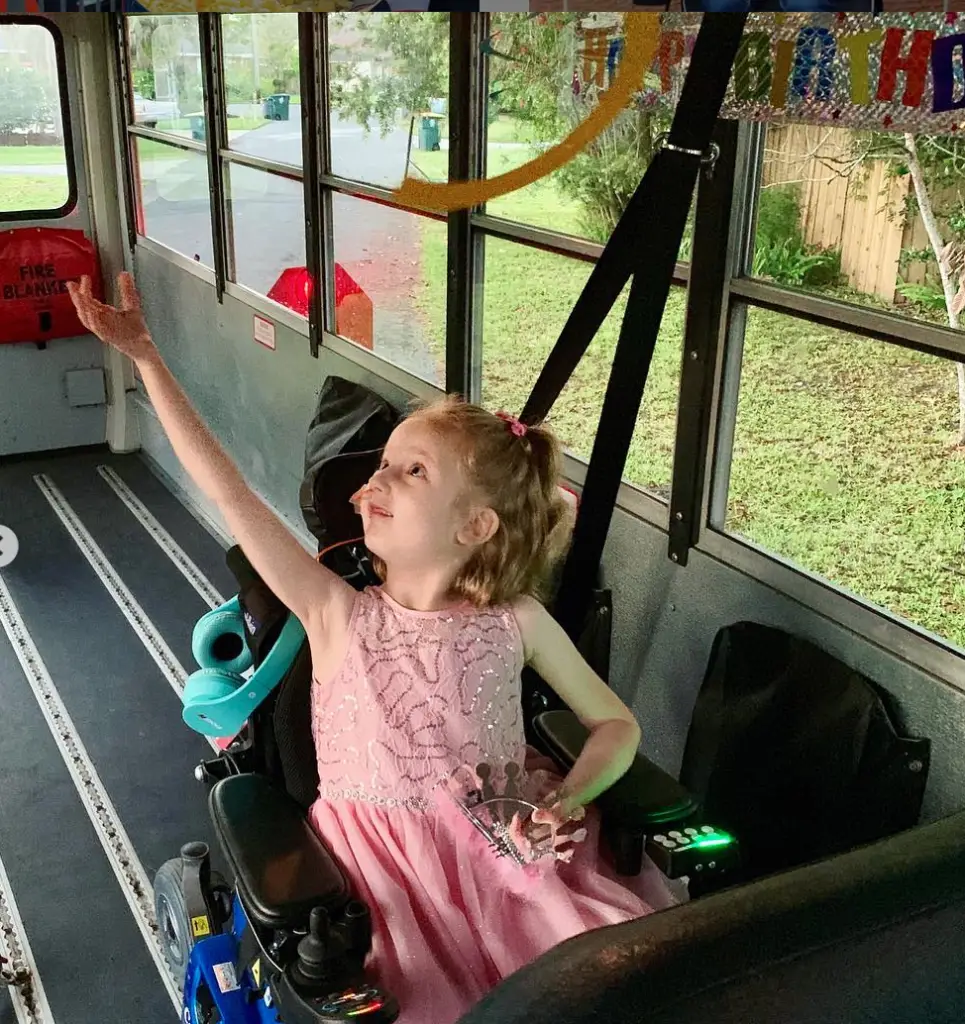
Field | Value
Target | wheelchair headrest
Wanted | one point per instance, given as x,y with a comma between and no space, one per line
871,936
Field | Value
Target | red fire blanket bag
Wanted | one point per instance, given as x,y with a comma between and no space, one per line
35,266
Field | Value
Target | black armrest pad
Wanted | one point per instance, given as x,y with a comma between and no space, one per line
645,797
281,867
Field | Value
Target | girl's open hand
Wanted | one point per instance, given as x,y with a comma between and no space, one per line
122,327
557,810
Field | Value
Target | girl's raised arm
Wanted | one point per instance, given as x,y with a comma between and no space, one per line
307,588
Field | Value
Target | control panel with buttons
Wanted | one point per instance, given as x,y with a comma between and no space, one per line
697,849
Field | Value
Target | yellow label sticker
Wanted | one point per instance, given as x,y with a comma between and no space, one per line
256,972
200,926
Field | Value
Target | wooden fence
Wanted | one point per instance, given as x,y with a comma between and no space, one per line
858,209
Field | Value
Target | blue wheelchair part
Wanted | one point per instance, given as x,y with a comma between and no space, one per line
212,977
218,702
219,639
242,993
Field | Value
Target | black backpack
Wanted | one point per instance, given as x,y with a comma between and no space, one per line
797,753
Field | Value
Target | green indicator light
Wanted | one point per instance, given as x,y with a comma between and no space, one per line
702,844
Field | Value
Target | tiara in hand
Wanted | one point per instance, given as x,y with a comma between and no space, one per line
505,818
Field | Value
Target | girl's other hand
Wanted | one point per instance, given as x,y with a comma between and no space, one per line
122,327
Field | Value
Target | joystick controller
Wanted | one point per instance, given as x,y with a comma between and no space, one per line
326,984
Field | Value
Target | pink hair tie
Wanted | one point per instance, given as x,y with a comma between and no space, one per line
517,427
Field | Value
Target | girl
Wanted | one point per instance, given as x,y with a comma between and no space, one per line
417,685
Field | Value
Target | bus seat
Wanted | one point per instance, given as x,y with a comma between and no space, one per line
872,936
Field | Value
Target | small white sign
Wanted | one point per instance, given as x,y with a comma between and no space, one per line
227,979
264,332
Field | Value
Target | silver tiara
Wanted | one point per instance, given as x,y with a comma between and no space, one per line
504,817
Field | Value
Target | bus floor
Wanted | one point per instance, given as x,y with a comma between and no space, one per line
97,784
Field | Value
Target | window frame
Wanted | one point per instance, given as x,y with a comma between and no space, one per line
721,335
73,195
851,612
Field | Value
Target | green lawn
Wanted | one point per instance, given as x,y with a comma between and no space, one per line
22,192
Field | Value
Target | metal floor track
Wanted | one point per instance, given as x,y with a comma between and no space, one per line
96,767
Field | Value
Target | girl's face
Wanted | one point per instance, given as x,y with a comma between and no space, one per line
417,508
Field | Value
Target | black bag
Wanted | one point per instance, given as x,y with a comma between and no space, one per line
345,438
796,753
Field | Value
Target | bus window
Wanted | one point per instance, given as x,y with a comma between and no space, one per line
168,134
36,163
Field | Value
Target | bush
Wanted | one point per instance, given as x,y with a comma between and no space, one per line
779,217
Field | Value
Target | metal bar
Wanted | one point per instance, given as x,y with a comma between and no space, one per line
324,168
551,241
209,29
869,323
750,162
702,335
309,30
123,108
290,171
176,141
462,376
385,196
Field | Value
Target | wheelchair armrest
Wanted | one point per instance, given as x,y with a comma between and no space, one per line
644,800
282,869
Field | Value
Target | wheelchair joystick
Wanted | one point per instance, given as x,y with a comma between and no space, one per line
317,951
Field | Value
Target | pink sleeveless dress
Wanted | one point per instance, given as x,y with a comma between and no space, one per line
419,695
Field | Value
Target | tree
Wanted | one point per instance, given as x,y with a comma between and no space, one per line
395,64
27,103
531,71
936,165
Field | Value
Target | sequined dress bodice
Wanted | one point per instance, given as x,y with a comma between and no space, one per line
419,695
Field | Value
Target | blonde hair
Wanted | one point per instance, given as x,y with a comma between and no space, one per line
517,474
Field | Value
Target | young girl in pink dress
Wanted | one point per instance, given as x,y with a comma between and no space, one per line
416,695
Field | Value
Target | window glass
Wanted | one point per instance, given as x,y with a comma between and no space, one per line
267,217
167,87
389,96
528,295
174,209
845,463
390,284
262,86
34,170
546,75
839,215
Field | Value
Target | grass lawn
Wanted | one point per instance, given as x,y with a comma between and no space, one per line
22,192
841,462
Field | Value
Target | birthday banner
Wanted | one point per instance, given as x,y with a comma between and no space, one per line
897,72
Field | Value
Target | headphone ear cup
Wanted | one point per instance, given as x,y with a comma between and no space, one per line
208,684
219,641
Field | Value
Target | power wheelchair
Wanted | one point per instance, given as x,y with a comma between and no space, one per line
288,942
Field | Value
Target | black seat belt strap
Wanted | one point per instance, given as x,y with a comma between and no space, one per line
629,245
672,176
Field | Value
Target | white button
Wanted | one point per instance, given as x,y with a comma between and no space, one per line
707,829
9,546
676,835
690,831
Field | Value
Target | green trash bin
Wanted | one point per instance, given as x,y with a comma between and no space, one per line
277,106
197,127
429,134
